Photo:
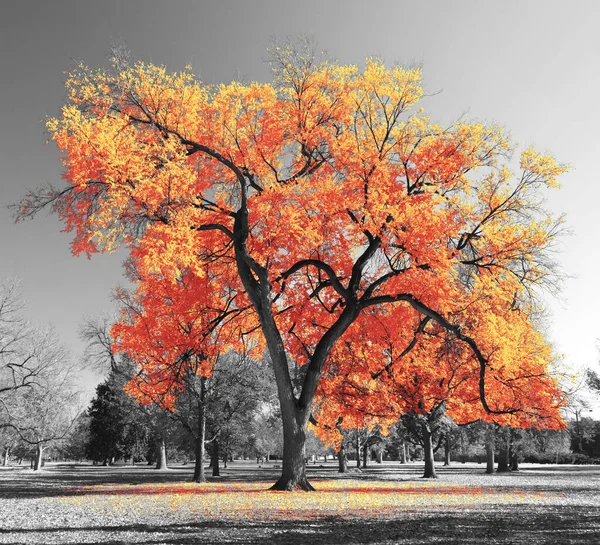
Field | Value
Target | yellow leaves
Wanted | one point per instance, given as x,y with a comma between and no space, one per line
544,167
330,160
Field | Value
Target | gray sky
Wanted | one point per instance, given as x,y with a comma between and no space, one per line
532,66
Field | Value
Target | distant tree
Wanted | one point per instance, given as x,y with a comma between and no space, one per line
75,443
117,427
43,413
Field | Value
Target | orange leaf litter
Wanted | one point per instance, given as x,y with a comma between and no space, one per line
343,498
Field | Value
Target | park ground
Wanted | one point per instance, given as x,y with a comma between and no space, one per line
385,504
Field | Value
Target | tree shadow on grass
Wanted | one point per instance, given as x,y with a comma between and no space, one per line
558,525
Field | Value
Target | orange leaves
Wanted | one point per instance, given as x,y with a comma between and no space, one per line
329,193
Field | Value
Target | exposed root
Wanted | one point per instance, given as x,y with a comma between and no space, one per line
291,486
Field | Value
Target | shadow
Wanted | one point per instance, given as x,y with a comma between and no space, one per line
559,526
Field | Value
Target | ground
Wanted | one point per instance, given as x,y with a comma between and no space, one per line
385,504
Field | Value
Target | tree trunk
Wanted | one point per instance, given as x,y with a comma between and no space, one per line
293,473
6,453
342,460
199,475
503,459
447,461
161,454
403,452
489,451
215,459
39,455
365,455
428,452
514,460
357,452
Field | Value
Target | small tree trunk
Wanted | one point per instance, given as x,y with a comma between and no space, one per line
403,452
447,461
428,452
199,475
161,454
489,451
357,451
39,454
215,459
342,460
514,460
6,453
225,458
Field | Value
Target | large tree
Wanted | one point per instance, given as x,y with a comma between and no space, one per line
329,192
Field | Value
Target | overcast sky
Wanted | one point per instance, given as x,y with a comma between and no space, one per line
531,66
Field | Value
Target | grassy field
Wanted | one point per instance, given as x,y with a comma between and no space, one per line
387,504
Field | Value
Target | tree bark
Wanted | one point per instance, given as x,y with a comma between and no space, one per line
365,455
403,452
342,460
39,455
199,474
447,460
215,458
489,451
357,446
293,474
428,452
6,453
161,454
503,466
514,460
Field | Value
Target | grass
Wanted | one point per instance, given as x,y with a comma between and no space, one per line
385,504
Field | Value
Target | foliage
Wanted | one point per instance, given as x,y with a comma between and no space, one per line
116,425
314,209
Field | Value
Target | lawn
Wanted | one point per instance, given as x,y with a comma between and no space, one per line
384,504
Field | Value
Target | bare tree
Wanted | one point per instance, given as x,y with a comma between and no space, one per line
43,404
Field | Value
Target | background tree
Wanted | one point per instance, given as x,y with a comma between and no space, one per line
43,412
117,426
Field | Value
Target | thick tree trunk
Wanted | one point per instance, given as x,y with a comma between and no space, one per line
293,473
447,460
489,451
199,474
365,455
428,452
403,452
161,454
215,459
39,455
380,456
342,460
6,453
503,466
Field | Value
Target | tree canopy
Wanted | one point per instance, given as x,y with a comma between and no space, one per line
322,202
